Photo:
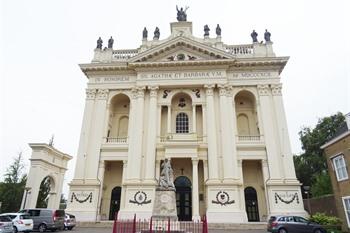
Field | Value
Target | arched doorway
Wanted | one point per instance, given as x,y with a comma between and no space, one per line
46,186
183,198
115,202
251,204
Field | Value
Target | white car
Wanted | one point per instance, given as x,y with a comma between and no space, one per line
21,221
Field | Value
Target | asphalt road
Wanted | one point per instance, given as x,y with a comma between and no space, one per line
109,230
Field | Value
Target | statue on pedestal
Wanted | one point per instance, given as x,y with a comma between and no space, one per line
181,14
99,43
110,43
206,30
166,179
254,36
144,33
156,33
267,36
218,30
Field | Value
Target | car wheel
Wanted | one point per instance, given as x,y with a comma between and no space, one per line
42,228
15,230
318,231
282,230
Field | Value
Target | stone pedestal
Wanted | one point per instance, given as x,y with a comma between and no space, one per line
164,206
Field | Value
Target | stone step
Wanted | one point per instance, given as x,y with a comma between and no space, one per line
219,226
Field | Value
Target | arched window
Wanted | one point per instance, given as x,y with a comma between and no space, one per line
182,123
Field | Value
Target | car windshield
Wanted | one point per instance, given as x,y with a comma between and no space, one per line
5,219
300,219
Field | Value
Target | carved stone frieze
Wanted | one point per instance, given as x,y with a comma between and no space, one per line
209,89
276,89
263,89
140,92
90,94
153,91
222,90
102,94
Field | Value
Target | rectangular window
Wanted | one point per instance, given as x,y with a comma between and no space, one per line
340,167
346,203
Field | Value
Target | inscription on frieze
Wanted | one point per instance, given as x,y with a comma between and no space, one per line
248,75
182,75
112,79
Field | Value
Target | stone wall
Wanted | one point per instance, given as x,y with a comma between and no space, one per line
324,204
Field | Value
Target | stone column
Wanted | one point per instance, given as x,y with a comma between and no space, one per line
194,126
169,120
266,176
282,129
101,174
241,190
226,136
151,136
270,135
134,171
159,125
205,170
122,196
195,190
96,135
131,131
211,134
84,134
157,169
231,111
204,113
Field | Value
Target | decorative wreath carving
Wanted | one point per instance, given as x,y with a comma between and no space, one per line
140,198
165,93
89,197
222,198
294,197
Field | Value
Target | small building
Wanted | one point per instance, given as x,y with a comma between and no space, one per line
337,152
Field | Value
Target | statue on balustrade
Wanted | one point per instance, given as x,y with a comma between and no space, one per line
156,33
218,30
254,36
166,179
206,30
99,43
144,34
181,14
267,36
110,43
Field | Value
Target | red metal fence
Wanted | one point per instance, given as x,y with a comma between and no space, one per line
158,226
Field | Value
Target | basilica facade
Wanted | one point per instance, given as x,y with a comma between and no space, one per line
215,110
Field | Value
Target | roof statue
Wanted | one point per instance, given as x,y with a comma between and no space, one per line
156,33
206,30
267,36
110,43
254,36
218,30
181,14
144,33
99,43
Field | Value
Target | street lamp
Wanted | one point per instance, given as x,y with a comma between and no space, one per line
307,192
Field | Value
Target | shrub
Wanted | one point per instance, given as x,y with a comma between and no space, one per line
323,219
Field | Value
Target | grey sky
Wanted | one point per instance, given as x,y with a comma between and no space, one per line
42,43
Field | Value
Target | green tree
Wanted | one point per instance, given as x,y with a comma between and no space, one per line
44,193
311,164
11,190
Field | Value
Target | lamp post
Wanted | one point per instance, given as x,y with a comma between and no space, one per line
307,192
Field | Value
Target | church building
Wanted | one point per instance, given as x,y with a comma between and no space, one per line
214,110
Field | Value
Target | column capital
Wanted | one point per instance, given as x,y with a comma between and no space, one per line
102,94
195,161
153,91
222,90
263,89
140,91
209,89
276,89
90,93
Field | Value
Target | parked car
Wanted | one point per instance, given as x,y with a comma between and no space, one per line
46,219
6,225
69,221
21,221
293,224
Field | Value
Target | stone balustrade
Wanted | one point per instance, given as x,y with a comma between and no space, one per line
116,140
239,49
124,54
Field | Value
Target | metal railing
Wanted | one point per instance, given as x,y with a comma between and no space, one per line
173,137
157,226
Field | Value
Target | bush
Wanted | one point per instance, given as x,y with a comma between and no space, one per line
323,219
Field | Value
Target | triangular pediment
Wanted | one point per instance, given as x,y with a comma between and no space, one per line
180,49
